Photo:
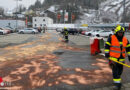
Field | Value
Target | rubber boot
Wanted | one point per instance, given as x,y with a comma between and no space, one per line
66,41
117,86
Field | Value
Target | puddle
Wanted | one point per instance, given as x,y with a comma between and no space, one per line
59,52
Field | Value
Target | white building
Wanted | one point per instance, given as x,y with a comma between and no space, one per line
8,13
41,21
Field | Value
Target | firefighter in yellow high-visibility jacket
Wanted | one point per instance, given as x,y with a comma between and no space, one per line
66,33
116,48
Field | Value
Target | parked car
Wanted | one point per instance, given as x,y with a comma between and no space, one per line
59,29
90,33
28,31
5,30
2,32
80,31
83,32
72,31
104,33
96,32
10,29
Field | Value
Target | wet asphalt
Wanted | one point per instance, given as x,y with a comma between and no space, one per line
83,59
68,67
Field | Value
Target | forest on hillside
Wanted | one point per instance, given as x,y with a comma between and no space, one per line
88,4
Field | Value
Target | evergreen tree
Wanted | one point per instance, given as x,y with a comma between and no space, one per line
1,11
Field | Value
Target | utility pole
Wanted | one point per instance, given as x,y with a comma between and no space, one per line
124,13
70,16
64,11
89,4
17,13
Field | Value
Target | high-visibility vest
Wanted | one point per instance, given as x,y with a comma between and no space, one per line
66,33
115,49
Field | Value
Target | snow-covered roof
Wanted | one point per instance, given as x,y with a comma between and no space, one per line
52,9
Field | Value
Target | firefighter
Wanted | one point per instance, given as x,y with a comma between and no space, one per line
116,48
39,29
66,33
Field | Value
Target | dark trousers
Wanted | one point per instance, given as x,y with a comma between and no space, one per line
117,70
66,38
43,31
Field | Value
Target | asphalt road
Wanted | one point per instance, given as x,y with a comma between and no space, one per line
46,62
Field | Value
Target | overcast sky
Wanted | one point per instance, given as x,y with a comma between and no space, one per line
11,4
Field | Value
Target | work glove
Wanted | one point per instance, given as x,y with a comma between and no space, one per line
111,64
107,55
129,58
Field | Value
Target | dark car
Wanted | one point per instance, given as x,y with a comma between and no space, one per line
73,31
59,29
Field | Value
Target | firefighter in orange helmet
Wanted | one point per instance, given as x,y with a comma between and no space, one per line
116,48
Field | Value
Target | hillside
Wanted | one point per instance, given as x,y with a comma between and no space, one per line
88,11
110,11
113,10
83,3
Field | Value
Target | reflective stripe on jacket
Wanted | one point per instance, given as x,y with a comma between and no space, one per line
115,49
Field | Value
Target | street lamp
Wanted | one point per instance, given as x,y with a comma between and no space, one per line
17,13
124,13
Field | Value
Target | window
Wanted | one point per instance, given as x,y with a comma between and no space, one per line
43,19
35,25
29,29
107,31
40,24
35,19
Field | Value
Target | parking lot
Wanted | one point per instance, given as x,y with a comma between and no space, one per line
45,62
15,38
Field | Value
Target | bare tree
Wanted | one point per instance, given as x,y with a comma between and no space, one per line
21,8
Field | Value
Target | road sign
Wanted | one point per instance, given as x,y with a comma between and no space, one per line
84,25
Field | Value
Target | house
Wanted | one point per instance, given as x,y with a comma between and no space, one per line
51,15
41,21
50,12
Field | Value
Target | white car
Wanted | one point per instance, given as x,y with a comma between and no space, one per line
2,32
89,33
10,29
28,31
96,32
104,33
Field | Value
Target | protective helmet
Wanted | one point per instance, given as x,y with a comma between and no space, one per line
119,29
65,27
118,25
